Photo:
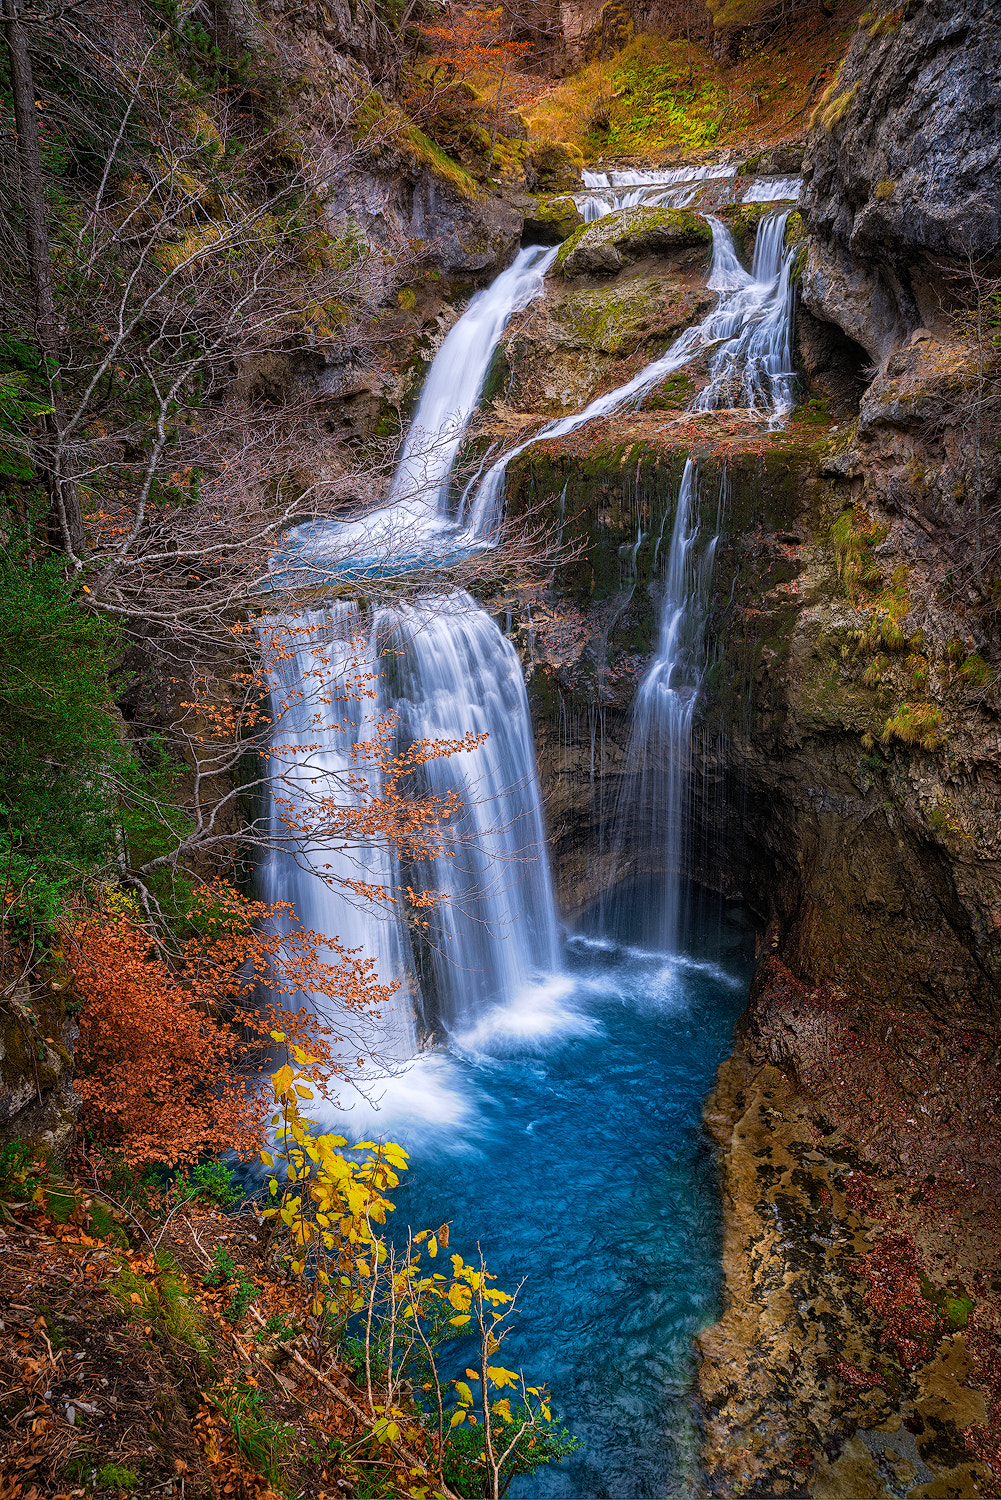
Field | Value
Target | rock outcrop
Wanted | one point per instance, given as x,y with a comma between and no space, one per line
903,168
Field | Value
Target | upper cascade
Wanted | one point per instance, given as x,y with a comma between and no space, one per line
415,526
711,185
751,323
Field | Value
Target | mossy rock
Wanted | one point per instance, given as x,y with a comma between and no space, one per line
557,167
620,319
605,247
554,219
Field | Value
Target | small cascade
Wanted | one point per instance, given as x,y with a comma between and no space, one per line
772,189
416,528
495,926
708,186
322,711
751,322
752,367
654,809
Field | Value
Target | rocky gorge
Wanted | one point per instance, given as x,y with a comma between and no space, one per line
845,775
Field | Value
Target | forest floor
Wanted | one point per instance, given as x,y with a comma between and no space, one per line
161,1353
660,97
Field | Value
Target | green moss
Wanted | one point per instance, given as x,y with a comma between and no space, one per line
975,672
884,190
430,155
554,218
638,231
795,229
116,1477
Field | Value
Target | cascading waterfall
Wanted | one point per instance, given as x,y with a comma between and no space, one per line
752,367
750,323
322,709
416,526
444,668
711,185
495,928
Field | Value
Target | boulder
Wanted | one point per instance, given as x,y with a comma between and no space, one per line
551,220
609,244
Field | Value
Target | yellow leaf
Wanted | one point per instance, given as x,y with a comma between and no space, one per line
267,1158
432,1247
500,1377
458,1322
458,1417
278,1036
303,1091
282,1080
502,1409
464,1392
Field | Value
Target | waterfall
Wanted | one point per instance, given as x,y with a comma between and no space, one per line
772,189
676,187
751,323
753,320
495,928
323,707
416,528
444,669
654,807
752,367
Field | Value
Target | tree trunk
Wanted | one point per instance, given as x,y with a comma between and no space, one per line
66,520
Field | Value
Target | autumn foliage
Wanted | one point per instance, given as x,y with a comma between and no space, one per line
171,1043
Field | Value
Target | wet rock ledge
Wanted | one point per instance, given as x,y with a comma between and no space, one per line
856,1355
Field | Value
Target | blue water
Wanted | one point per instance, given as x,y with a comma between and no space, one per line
562,1134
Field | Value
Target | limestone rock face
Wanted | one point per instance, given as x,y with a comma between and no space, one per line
588,337
611,243
904,165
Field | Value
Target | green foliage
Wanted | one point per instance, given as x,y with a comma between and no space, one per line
278,1329
816,412
24,398
16,1167
116,1477
653,105
223,1267
263,1441
463,1468
208,1182
225,1272
854,534
915,724
975,672
61,759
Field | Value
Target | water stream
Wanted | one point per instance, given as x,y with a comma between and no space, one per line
556,1123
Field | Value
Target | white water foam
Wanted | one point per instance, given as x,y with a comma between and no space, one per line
772,189
536,1017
